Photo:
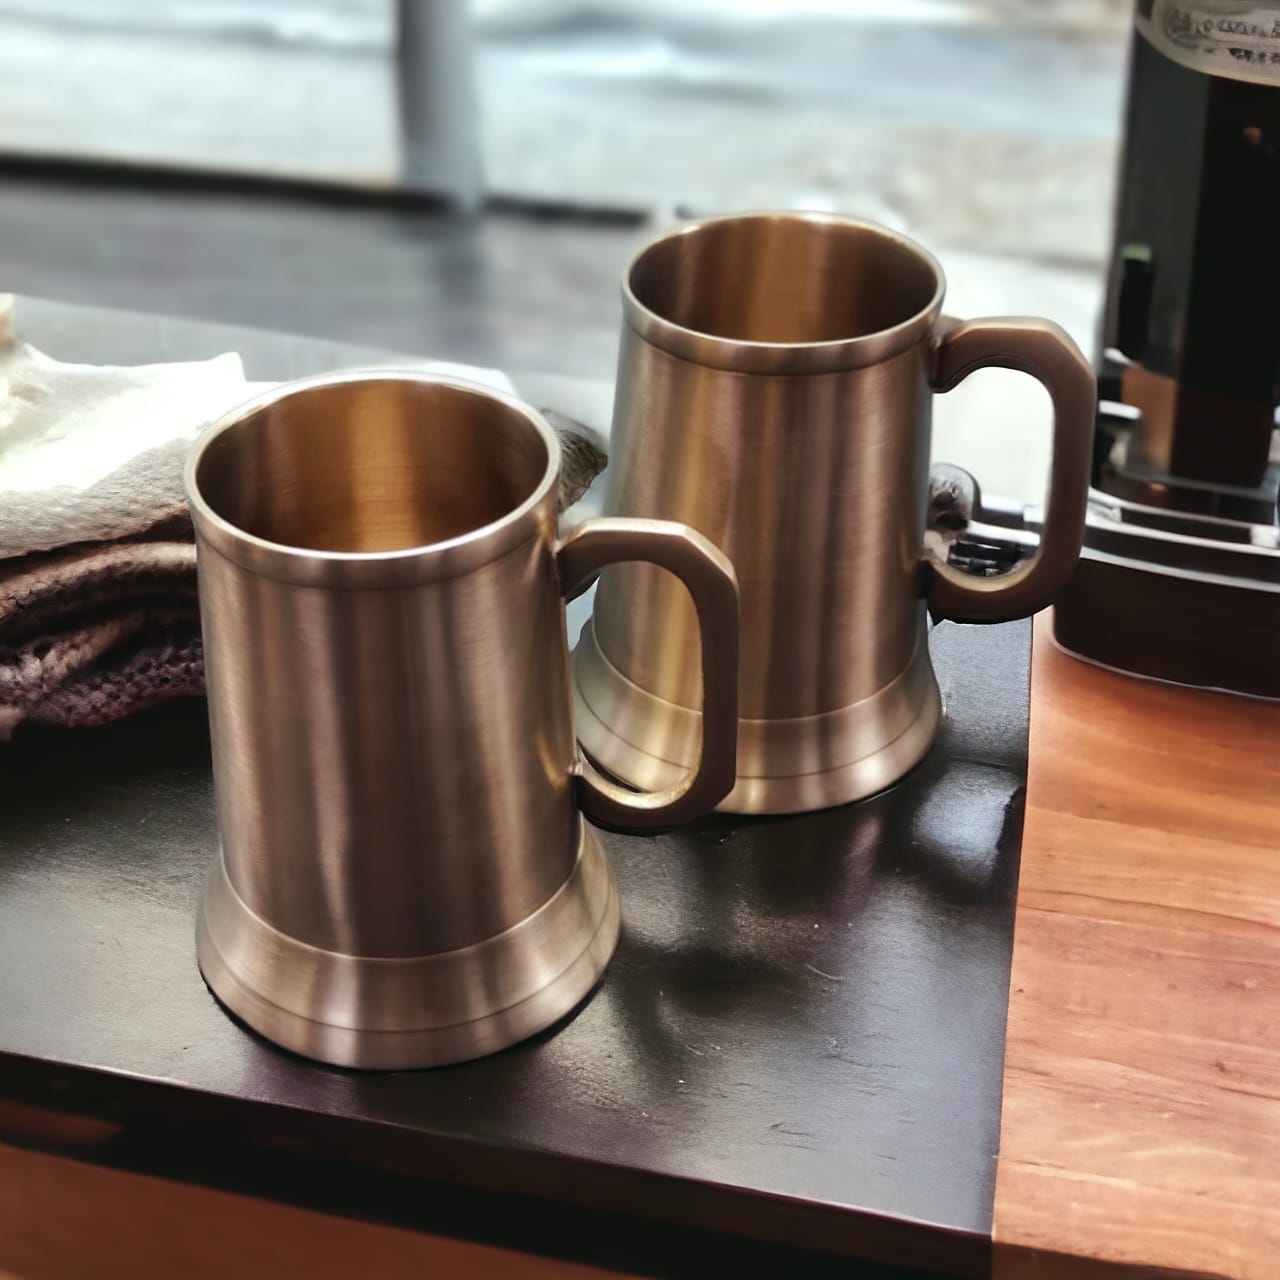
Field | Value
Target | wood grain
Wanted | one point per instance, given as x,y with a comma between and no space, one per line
61,1219
1140,1129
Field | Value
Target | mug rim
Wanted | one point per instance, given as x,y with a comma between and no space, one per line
750,356
398,566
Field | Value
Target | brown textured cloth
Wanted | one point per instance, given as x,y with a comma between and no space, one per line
92,633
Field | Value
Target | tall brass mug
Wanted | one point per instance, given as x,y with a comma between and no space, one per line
775,391
405,877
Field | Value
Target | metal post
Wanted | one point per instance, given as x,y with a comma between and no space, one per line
436,96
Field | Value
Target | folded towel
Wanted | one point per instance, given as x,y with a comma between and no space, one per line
98,610
94,633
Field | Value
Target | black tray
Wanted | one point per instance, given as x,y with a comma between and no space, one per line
798,1046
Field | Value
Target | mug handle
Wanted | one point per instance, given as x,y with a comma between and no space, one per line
1045,351
709,577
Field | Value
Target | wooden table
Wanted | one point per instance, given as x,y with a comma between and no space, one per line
1140,1132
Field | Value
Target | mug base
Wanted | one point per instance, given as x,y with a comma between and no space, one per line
650,743
397,1013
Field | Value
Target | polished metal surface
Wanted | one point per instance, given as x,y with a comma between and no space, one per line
1179,578
405,878
412,1010
1191,599
1177,545
1134,459
775,392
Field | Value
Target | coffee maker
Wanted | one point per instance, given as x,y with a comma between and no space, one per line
1180,574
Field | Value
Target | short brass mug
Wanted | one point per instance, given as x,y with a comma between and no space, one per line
775,390
404,876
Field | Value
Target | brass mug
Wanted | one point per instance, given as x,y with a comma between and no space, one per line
404,876
775,389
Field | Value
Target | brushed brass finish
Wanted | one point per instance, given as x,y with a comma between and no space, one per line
373,1012
775,389
863,747
405,877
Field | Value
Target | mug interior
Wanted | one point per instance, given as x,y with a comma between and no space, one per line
373,465
784,278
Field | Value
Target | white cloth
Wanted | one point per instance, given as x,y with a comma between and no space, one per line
94,453
98,615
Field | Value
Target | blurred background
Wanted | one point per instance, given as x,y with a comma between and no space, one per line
466,179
